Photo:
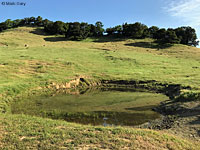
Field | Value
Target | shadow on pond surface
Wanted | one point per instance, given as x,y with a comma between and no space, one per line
143,108
106,118
151,45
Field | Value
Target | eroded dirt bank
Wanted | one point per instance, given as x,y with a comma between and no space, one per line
179,118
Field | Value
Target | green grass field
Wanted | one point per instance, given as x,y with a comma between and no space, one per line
48,59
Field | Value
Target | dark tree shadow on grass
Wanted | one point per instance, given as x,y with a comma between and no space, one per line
151,45
39,31
56,39
103,39
94,39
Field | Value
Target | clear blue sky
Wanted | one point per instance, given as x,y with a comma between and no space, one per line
162,13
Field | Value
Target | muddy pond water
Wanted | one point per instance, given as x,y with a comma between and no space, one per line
96,107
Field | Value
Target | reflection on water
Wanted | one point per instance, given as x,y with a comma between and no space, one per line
99,107
105,124
109,118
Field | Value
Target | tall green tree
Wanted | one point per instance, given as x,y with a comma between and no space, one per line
17,22
171,37
45,22
7,24
110,31
136,30
32,20
160,34
78,31
48,26
117,30
187,35
99,28
2,26
153,30
39,21
74,32
59,27
26,21
167,36
85,30
92,32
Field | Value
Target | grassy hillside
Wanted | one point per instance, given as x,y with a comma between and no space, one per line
30,60
23,132
49,57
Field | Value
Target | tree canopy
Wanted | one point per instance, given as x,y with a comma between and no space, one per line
78,31
136,30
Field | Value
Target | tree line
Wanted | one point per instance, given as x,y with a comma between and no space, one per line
79,31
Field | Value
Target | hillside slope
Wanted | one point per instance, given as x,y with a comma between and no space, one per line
126,58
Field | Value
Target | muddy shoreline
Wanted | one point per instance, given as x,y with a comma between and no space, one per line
181,118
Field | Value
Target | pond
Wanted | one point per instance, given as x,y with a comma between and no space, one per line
96,107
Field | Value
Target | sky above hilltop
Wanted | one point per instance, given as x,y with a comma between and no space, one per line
161,13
